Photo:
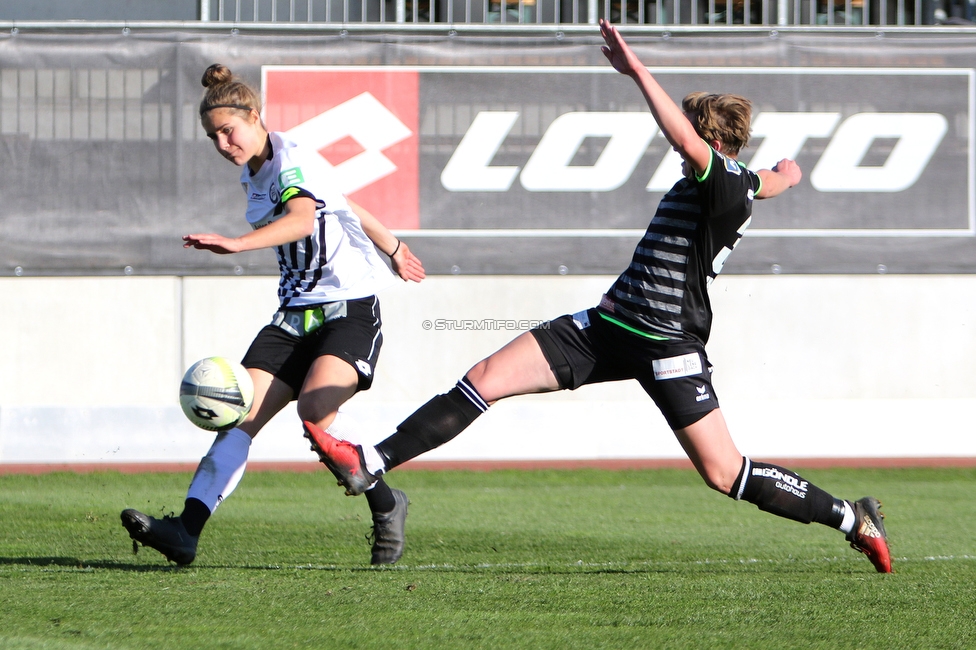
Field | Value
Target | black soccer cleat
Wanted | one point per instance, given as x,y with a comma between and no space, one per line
869,536
387,535
166,535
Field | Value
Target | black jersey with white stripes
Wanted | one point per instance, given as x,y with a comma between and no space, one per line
664,291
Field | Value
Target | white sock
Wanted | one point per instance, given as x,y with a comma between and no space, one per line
221,469
374,462
848,524
340,428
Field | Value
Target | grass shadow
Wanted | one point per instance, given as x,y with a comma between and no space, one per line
75,563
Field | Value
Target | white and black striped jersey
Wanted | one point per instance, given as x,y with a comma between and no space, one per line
338,261
664,291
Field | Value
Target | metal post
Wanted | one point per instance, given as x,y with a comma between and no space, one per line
204,11
178,126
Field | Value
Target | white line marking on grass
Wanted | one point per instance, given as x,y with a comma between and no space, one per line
508,566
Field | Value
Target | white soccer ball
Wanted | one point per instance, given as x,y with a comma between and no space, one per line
216,394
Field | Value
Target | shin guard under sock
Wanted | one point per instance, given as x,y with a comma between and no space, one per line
781,492
433,424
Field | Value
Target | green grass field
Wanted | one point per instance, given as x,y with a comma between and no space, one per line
544,559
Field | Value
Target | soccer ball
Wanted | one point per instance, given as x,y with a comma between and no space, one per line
216,394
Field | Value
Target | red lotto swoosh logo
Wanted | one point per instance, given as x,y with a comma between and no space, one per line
363,123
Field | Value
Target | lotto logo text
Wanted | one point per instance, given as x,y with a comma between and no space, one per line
550,168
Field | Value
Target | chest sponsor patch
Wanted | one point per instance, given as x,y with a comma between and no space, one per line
674,367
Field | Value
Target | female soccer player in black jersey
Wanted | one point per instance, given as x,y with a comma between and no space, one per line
652,326
322,345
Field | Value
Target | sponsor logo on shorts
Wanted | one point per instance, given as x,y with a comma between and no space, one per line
702,394
364,368
674,367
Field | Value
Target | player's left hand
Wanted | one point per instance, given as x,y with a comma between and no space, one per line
790,171
407,265
213,243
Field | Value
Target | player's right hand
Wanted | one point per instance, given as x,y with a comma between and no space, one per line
213,243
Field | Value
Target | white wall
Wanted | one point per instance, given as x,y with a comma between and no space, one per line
806,366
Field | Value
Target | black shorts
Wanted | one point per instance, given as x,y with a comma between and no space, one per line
585,348
355,338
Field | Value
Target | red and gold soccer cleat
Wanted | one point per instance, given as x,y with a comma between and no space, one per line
868,535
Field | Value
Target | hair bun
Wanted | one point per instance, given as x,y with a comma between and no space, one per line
215,75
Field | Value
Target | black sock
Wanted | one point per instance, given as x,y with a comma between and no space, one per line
380,497
433,424
781,492
194,516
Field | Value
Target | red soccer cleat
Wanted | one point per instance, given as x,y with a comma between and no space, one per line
344,459
868,535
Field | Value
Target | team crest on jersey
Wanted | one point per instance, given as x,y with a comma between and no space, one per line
364,122
731,165
273,193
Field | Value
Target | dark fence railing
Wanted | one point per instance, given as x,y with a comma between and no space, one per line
582,12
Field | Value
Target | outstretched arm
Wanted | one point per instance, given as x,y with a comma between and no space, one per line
784,175
405,263
297,223
669,116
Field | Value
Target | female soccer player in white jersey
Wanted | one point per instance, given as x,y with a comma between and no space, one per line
652,326
322,345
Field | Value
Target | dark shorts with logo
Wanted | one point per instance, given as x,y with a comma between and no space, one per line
585,349
354,338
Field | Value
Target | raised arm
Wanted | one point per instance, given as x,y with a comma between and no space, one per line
405,263
784,175
669,116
